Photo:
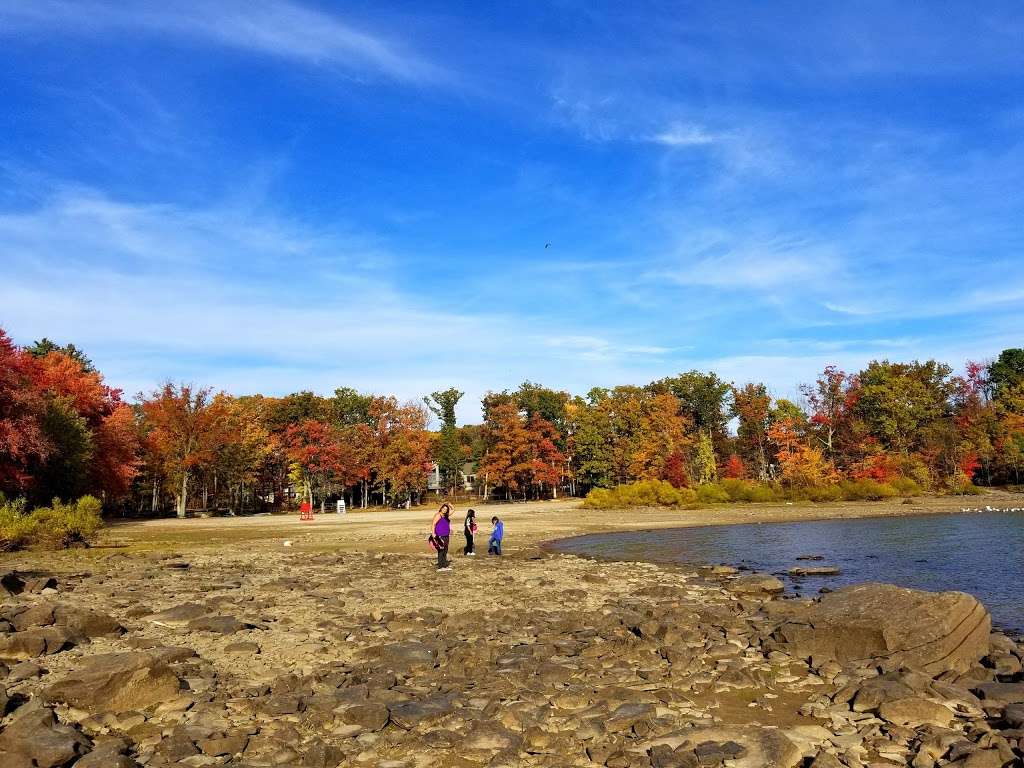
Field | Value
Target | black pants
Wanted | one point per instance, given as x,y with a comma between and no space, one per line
469,543
442,551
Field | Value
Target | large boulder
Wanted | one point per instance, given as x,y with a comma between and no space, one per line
116,682
892,626
36,736
39,641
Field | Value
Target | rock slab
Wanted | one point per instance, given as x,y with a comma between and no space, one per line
116,682
934,632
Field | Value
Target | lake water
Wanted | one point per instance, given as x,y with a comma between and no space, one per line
981,553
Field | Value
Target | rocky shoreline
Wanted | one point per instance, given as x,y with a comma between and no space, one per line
254,656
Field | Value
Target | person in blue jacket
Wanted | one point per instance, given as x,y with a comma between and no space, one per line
494,546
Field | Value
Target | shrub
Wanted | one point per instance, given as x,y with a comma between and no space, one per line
643,493
966,489
59,525
905,486
65,525
712,493
16,526
866,490
748,490
599,498
825,493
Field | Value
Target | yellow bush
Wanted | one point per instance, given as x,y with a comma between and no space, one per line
643,493
905,486
866,490
712,493
17,527
59,525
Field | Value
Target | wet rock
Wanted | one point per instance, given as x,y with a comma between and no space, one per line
757,584
116,682
814,570
933,632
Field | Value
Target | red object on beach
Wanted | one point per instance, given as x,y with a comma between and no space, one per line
306,512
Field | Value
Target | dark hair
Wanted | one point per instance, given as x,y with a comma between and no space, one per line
494,519
442,507
471,513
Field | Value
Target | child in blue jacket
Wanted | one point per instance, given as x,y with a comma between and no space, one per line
494,546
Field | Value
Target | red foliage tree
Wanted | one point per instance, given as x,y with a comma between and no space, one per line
22,441
734,468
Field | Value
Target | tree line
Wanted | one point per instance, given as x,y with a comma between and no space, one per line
65,433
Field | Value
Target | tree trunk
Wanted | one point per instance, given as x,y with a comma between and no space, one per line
183,497
155,507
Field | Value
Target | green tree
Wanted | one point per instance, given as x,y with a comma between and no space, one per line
65,474
901,403
1006,371
448,448
591,440
350,408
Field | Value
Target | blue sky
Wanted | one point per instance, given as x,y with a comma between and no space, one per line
266,195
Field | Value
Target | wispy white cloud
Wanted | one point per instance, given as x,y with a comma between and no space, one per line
684,135
769,264
279,28
252,301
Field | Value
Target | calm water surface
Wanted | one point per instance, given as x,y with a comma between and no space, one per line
980,553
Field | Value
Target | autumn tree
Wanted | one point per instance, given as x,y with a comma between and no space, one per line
831,400
325,463
702,396
404,450
91,431
23,442
185,429
751,406
247,447
800,464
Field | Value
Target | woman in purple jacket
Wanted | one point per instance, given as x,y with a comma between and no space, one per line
442,528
